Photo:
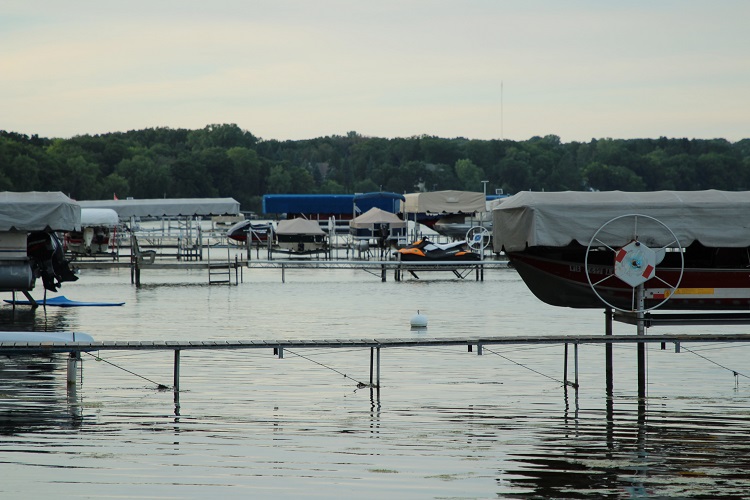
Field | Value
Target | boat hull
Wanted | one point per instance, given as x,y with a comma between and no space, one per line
562,281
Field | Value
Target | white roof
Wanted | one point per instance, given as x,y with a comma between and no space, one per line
438,202
38,211
99,217
715,218
298,226
175,207
376,216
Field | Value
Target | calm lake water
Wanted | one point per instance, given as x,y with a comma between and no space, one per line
446,424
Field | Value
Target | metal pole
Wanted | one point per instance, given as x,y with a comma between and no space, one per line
176,377
372,354
378,367
608,352
575,355
565,366
641,329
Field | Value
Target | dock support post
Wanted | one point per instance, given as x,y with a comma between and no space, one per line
283,277
575,356
176,375
73,359
382,273
641,330
372,356
479,349
608,367
565,366
377,379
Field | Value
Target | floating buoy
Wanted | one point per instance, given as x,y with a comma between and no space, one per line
419,320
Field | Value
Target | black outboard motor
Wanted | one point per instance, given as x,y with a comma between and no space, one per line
48,259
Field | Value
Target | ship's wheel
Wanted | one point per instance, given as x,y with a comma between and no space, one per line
478,237
635,263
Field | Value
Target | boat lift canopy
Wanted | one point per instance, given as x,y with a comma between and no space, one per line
556,219
38,211
175,207
439,202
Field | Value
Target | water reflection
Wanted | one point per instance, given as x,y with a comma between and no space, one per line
634,452
32,397
40,319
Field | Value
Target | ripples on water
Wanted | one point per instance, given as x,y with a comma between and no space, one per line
446,424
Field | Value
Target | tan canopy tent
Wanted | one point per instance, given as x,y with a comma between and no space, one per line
374,217
299,226
437,202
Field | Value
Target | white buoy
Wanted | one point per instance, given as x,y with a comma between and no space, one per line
419,321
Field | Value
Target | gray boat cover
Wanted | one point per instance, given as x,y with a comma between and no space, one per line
175,207
376,216
38,211
714,218
439,202
298,226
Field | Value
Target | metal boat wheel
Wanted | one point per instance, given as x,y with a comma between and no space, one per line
635,263
478,237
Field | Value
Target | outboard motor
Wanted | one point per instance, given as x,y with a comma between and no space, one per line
48,259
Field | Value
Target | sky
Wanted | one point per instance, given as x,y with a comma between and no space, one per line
300,69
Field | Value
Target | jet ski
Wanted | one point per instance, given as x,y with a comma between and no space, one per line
426,250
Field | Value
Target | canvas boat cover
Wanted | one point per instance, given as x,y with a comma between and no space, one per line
298,226
439,202
714,218
376,216
175,207
38,211
99,217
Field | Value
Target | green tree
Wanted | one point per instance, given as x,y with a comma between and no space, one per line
469,175
279,181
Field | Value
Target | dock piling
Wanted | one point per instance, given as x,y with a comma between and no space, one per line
176,378
73,360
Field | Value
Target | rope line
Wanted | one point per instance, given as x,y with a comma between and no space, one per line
524,366
158,385
735,372
359,383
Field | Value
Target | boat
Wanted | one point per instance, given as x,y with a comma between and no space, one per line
300,236
683,250
257,232
98,226
29,245
425,250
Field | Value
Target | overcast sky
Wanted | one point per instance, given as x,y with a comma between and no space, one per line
296,69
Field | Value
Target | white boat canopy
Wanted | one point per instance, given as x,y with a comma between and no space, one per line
38,211
175,207
298,226
714,218
375,217
99,217
439,202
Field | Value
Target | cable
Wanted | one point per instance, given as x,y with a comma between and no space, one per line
158,385
735,372
359,384
524,366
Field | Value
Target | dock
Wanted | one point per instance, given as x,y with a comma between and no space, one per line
378,268
278,346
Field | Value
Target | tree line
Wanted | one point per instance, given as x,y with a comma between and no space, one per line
225,161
